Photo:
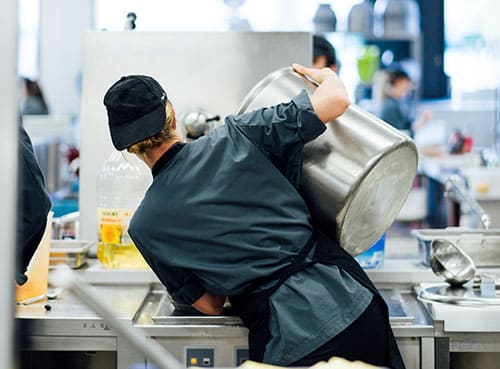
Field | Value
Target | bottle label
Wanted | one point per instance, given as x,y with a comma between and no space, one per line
113,224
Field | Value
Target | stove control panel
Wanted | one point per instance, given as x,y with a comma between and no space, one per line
203,357
240,355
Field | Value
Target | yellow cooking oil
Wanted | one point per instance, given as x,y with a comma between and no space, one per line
115,250
120,256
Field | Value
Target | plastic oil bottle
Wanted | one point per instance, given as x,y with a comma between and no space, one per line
122,182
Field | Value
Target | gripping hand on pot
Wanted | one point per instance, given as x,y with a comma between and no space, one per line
330,100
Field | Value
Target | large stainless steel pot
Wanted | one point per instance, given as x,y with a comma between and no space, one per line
356,176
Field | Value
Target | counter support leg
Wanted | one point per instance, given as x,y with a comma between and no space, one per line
442,351
427,354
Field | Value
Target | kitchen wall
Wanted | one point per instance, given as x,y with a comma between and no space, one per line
62,24
213,71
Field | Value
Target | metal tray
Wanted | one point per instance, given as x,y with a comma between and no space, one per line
482,245
396,306
170,313
69,252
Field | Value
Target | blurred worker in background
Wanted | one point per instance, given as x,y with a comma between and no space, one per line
324,55
32,100
33,205
398,87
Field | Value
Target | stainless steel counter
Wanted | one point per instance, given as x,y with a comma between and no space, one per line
396,271
70,326
401,267
66,323
465,334
136,295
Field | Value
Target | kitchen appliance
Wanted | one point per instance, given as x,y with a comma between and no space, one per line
356,176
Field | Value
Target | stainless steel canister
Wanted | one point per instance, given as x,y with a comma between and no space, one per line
356,176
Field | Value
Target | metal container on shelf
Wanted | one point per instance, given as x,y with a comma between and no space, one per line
360,19
356,176
396,17
70,252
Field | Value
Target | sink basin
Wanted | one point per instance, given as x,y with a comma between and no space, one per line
483,246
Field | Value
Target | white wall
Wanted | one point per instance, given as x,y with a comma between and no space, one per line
62,24
8,169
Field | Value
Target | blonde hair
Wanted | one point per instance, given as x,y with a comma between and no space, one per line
166,134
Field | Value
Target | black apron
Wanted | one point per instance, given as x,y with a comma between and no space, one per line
253,307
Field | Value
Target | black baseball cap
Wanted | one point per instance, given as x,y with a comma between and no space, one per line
136,110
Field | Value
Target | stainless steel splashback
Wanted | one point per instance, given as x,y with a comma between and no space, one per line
212,71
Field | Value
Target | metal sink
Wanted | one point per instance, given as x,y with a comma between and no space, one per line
482,245
168,313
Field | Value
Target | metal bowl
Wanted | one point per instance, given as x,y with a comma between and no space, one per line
450,262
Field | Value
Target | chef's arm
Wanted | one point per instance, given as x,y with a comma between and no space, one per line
330,99
210,304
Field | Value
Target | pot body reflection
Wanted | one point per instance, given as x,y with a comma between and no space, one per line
356,175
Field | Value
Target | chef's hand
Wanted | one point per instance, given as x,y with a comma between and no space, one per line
330,99
319,75
210,304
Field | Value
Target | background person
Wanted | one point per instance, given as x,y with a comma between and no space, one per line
398,87
223,217
32,100
324,54
33,205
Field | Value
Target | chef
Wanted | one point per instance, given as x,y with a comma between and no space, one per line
223,218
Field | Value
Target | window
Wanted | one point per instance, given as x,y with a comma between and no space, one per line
469,58
29,29
213,15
